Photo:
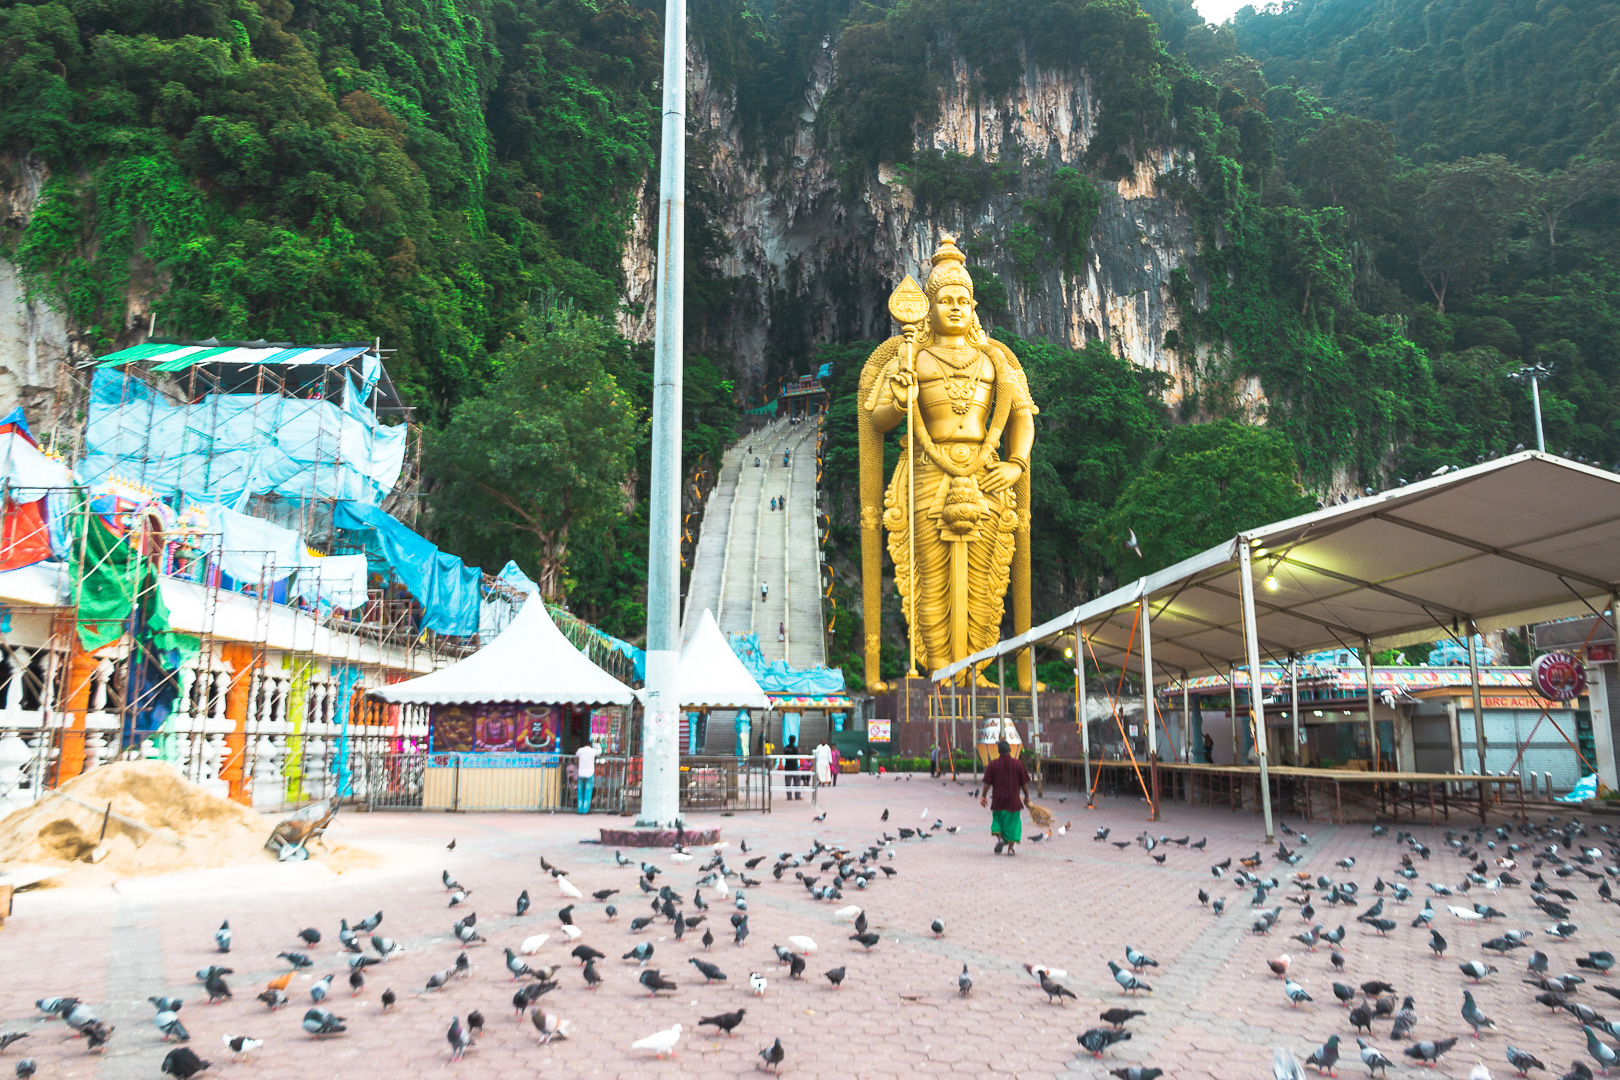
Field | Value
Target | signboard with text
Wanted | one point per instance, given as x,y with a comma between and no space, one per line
877,731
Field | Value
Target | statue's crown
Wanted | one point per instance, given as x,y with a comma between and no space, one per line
950,267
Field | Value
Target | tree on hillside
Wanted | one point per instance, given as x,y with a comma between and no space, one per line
1466,213
546,451
1203,485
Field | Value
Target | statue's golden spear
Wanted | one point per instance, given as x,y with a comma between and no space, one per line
909,306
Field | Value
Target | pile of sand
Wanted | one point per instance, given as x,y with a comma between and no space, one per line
187,828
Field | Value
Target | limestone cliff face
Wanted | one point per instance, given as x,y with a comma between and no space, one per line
35,339
813,265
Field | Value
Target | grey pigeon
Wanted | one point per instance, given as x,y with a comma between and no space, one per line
1472,1014
964,982
1324,1057
773,1055
1372,1057
1429,1052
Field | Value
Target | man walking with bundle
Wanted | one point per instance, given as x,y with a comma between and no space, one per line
1006,789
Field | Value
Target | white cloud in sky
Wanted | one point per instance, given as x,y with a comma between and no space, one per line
1218,11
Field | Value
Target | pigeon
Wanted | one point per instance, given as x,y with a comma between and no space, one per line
938,927
1429,1052
726,1022
168,1022
1117,1017
274,998
592,979
773,1054
756,983
867,939
641,953
655,982
1605,1055
585,954
523,903
1295,993
1405,1020
710,972
458,1037
319,989
1137,1072
318,1021
1523,1062
1284,1066
215,985
1127,982
661,1043
549,1025
1471,1013
1055,991
26,1069
310,935
1096,1040
1373,1058
388,1000
1475,970
1324,1057
1139,960
222,937
1344,994
241,1046
1437,944
10,1037
297,959
182,1063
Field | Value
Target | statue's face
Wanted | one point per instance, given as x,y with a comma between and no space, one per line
953,310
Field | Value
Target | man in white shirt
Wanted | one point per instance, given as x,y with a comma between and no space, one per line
822,759
585,765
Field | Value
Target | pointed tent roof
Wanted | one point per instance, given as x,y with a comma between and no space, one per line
530,663
711,677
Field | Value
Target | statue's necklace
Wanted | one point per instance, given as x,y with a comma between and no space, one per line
961,382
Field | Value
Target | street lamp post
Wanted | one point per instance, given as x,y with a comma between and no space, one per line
660,747
1535,373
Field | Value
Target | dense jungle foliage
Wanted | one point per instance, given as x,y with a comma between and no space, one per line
1397,205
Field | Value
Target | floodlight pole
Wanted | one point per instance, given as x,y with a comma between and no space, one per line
660,748
1535,373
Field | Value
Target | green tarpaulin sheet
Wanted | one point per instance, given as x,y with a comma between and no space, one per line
111,578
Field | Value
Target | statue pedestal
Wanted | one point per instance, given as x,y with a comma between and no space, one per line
634,837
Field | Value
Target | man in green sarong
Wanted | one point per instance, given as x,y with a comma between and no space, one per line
1006,790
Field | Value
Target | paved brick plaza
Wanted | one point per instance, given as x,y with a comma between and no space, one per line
1069,902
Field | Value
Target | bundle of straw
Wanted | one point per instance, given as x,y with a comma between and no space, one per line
1041,816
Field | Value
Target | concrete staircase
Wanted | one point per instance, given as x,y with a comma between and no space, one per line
744,543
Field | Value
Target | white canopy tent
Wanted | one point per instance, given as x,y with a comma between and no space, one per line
710,675
1522,539
529,663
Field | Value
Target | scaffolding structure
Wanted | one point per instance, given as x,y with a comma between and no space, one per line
265,698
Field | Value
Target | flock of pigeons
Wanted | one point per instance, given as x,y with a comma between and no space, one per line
1500,864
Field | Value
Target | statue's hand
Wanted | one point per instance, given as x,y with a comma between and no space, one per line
1001,476
903,385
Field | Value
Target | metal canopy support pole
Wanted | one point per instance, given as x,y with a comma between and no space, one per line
1186,719
1293,699
1231,685
1080,707
1147,705
1001,696
660,793
1035,724
973,720
1257,709
1479,714
1372,724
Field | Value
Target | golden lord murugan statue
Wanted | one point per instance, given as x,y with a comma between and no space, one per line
957,507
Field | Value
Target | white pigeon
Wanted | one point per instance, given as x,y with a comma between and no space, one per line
240,1046
569,889
849,914
680,857
924,815
1464,913
721,887
756,983
802,945
661,1043
721,845
1038,970
1479,1072
531,945
572,932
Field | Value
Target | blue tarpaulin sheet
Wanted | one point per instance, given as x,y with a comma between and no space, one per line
216,447
447,588
775,677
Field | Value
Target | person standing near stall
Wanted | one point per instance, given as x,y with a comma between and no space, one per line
1006,787
585,764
